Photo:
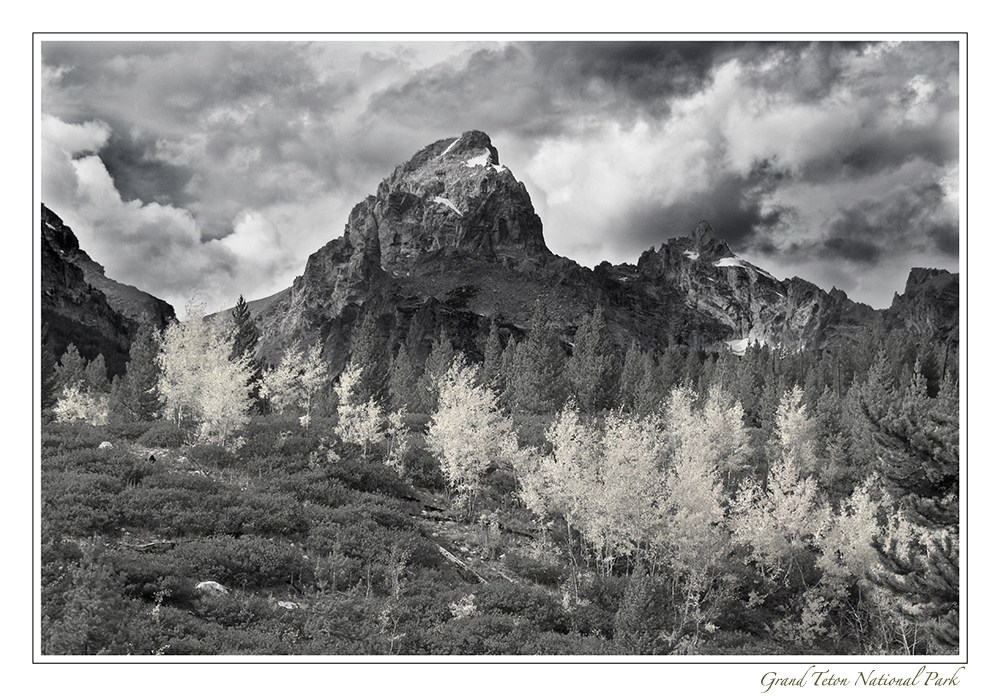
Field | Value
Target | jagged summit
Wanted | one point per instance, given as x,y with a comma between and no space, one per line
452,194
702,243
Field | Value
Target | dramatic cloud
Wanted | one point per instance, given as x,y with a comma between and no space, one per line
836,162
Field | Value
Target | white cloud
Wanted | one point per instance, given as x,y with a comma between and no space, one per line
75,138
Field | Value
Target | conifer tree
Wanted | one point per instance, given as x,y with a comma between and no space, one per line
489,373
136,395
244,338
370,355
506,382
916,438
592,372
538,380
638,387
49,378
437,364
95,376
69,371
403,382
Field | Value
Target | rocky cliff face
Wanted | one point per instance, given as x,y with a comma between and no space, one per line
80,305
929,305
450,240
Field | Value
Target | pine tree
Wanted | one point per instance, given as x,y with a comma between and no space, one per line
69,371
507,379
489,373
136,396
592,371
916,438
95,376
244,338
370,355
437,364
638,386
403,382
539,382
49,378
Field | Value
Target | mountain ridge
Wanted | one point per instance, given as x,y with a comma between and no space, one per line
82,306
450,242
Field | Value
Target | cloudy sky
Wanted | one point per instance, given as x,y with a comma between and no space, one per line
218,167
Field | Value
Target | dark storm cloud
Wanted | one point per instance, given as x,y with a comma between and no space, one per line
873,229
140,175
734,206
622,145
537,89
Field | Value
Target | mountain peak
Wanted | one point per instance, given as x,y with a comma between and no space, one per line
452,194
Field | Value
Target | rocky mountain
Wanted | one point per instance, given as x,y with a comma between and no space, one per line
450,241
929,305
81,305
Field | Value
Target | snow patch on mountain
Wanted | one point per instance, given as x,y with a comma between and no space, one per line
729,261
738,346
448,149
480,161
441,199
693,255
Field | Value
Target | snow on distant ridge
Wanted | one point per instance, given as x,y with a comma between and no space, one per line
729,261
693,255
483,160
448,149
739,346
480,161
441,199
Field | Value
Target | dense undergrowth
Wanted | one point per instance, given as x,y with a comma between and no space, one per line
318,557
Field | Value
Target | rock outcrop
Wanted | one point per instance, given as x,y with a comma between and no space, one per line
81,305
929,305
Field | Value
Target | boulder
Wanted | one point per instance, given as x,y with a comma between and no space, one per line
210,588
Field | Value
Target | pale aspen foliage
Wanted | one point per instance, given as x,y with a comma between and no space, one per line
608,484
694,537
296,381
360,423
780,519
199,381
847,545
468,433
562,482
77,404
634,484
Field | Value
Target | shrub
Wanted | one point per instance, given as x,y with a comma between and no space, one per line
80,504
245,562
317,487
480,634
163,434
532,604
535,570
214,456
67,437
130,432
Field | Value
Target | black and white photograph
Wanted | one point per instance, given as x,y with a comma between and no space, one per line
432,348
